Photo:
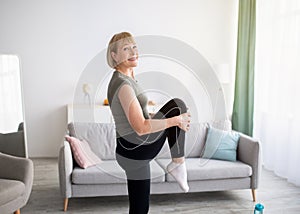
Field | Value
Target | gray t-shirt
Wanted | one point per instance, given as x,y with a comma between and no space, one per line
117,81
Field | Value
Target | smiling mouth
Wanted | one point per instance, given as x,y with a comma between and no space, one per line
132,59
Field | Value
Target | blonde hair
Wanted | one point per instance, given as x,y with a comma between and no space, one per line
113,45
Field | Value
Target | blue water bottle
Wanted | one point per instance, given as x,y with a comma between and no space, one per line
259,209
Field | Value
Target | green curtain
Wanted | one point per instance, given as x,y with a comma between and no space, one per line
242,115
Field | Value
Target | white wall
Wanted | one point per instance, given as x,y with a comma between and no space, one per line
55,40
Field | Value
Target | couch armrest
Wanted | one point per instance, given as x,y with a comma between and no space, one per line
13,144
249,152
17,168
65,169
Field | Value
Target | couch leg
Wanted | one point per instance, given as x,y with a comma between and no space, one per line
253,195
17,212
66,201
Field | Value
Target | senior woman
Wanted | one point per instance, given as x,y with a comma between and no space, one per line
139,136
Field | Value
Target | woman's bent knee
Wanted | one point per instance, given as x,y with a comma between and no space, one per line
181,104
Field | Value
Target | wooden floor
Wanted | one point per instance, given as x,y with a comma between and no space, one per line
277,195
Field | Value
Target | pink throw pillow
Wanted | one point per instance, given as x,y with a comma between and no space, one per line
82,152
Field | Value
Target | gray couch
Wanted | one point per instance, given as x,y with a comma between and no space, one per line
16,177
108,179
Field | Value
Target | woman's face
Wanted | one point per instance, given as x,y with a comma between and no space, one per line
126,55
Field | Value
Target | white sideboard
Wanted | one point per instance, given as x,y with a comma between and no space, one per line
89,114
96,113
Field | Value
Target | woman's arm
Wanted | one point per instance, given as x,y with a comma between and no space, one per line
137,120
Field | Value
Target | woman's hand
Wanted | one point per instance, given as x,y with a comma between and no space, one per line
184,121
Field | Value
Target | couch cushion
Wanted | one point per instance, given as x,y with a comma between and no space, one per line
100,136
194,143
109,172
206,169
82,152
10,190
221,144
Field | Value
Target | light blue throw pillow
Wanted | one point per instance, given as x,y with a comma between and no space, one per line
221,144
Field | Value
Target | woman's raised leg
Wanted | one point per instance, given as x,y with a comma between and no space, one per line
176,140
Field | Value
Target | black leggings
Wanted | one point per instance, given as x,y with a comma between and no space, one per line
134,154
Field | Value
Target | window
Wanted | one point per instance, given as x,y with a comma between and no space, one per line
277,77
11,113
